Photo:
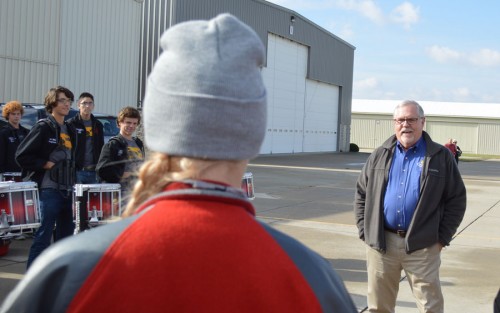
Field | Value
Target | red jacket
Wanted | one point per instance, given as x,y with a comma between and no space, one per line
187,250
452,147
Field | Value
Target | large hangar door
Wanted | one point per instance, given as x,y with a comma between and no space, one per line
321,117
285,79
302,114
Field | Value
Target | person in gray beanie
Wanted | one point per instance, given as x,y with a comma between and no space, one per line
205,97
189,240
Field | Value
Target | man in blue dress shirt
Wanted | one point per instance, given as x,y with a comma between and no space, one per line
409,202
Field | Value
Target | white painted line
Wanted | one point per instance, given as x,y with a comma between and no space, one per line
11,276
323,169
266,196
328,227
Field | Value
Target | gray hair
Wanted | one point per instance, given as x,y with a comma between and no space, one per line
407,103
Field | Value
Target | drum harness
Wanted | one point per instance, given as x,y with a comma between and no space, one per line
64,171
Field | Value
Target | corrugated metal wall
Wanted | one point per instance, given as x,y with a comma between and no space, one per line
465,132
369,132
474,135
100,51
488,134
156,18
29,49
331,59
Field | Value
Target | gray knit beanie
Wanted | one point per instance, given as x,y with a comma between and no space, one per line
205,97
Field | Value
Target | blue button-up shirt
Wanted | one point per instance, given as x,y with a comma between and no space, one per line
403,188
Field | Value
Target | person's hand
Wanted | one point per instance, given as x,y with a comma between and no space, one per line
441,247
48,165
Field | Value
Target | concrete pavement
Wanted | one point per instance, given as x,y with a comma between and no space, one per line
312,201
309,196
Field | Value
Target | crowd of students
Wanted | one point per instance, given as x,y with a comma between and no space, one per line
56,154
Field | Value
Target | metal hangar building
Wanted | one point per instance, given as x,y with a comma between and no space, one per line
109,47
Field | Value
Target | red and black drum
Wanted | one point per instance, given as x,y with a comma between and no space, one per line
247,185
95,204
19,205
19,211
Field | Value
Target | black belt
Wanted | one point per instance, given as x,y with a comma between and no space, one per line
400,233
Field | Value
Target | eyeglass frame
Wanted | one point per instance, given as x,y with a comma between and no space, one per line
410,121
67,100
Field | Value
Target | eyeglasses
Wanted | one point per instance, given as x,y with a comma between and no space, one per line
410,121
87,103
64,100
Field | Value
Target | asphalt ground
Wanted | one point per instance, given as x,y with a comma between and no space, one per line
309,196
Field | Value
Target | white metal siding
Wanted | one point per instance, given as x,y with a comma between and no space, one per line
100,42
302,114
360,126
488,134
321,117
284,77
475,136
465,133
371,133
29,49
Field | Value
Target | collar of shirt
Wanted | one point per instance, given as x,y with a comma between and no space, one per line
419,146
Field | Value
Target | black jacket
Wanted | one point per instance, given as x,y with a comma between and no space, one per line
440,208
9,141
111,165
34,151
98,139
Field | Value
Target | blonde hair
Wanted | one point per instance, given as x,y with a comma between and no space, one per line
159,170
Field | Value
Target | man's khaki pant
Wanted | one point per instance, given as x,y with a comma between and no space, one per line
421,268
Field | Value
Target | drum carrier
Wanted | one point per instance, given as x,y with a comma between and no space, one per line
19,211
95,204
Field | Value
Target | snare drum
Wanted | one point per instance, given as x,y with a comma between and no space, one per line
19,205
12,176
103,201
247,185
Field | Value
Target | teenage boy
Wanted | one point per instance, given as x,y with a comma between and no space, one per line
122,154
90,139
47,155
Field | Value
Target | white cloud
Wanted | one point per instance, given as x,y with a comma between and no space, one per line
406,14
436,94
371,11
482,57
344,31
285,3
366,8
485,57
298,5
443,54
367,83
461,93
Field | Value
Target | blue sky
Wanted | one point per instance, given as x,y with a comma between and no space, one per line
432,50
